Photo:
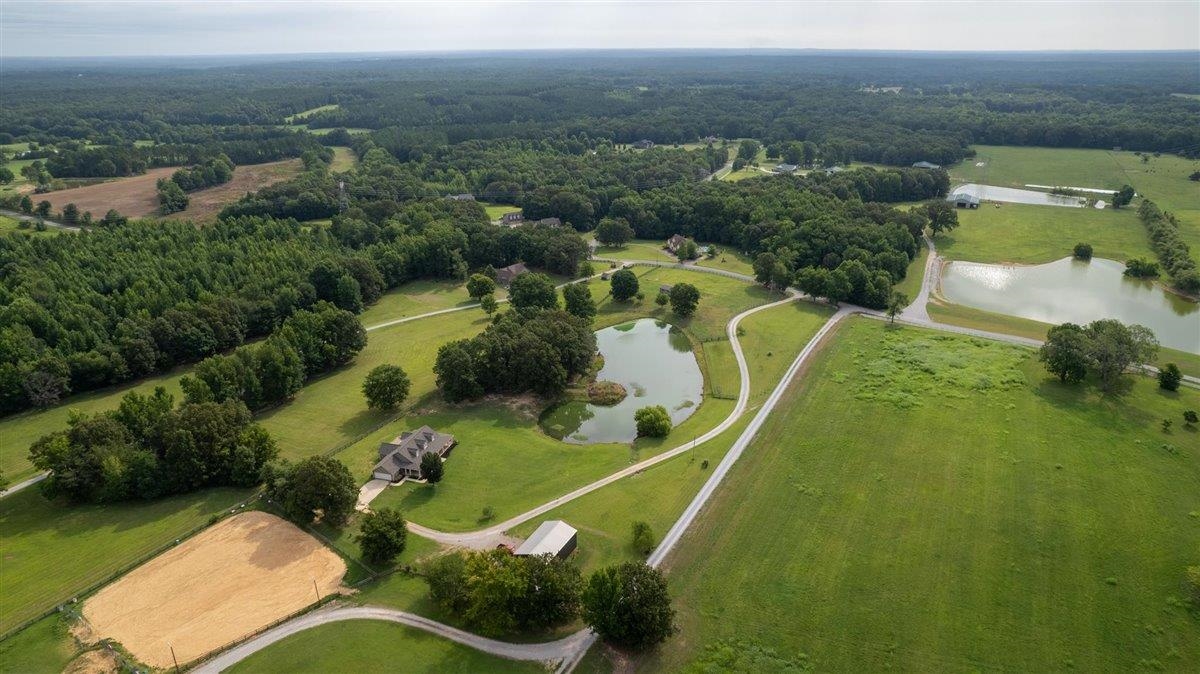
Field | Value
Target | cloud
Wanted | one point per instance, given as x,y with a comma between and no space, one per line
167,27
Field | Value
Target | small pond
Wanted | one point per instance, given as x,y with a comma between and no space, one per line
1069,290
654,362
1017,196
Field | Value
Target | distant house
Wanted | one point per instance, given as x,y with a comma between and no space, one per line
401,458
513,217
550,222
554,537
964,200
643,144
926,165
786,168
506,275
675,242
461,197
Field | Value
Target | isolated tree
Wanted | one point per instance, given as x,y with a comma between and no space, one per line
385,387
943,217
685,297
1123,196
1083,251
382,535
489,304
1065,352
533,291
479,285
652,421
641,537
614,232
317,486
624,285
629,606
896,303
577,298
1169,377
432,468
70,214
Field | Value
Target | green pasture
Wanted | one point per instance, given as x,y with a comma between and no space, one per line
929,500
1029,234
373,646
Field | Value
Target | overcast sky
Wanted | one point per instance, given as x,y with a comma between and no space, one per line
168,27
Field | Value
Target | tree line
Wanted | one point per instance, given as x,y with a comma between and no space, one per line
1172,250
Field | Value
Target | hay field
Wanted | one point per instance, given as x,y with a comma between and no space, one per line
226,583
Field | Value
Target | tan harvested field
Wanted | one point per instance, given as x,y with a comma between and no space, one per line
137,196
224,584
205,204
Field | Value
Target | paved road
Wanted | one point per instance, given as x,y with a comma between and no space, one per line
553,651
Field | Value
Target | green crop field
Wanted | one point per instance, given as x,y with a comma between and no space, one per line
656,496
373,646
53,551
1031,234
1163,179
924,501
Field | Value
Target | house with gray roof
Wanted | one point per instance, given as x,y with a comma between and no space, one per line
401,458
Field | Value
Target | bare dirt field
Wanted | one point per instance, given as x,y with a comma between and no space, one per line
205,204
137,196
226,583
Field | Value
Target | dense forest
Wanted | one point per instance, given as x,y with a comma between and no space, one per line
551,136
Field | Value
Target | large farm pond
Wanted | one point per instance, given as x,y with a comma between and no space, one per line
1068,290
654,362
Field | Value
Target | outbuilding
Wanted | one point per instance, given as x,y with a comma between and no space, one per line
965,200
553,537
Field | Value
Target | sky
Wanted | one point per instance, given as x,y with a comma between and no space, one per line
178,27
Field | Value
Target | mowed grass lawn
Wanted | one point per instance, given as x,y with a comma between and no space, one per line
1031,234
374,646
51,551
1163,179
924,501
